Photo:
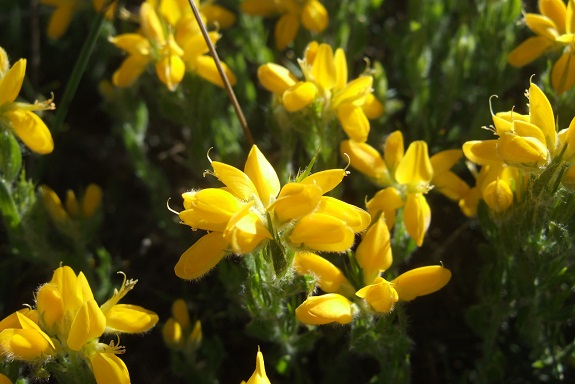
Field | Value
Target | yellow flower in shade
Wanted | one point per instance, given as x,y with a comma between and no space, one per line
325,309
259,376
407,176
178,332
529,141
325,82
328,277
293,13
18,117
72,209
66,9
4,379
555,30
68,321
253,209
421,281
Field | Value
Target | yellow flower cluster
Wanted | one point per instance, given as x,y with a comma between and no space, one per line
170,39
326,83
18,117
68,322
253,209
309,13
555,30
373,256
178,332
407,176
526,145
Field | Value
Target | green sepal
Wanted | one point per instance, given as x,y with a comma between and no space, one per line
7,205
10,156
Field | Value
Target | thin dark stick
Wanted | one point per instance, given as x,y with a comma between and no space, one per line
227,84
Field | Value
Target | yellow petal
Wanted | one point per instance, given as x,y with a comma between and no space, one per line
72,206
151,24
468,204
482,152
237,181
30,128
386,201
245,231
88,323
415,167
570,17
129,319
25,344
170,71
275,78
367,160
219,15
314,16
442,161
299,96
328,277
109,369
286,30
340,69
11,83
372,107
354,91
450,185
354,122
50,304
529,50
374,252
325,309
181,313
555,10
195,45
525,129
322,232
259,7
416,216
498,195
259,376
53,204
563,73
541,115
172,333
92,200
4,63
206,68
541,25
133,43
130,69
4,379
326,180
393,150
296,200
263,175
355,218
421,281
522,151
60,21
201,257
67,282
323,71
209,209
381,296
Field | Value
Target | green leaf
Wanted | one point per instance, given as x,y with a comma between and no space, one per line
10,156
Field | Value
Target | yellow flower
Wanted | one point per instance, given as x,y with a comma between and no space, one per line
421,281
309,13
554,30
528,142
373,254
22,339
18,117
325,82
253,207
325,309
259,376
381,295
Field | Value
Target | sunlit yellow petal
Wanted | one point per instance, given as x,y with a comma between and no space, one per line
354,90
296,200
133,43
541,25
50,304
201,257
275,78
322,232
555,10
570,17
421,281
209,209
245,231
30,128
129,319
327,180
498,195
299,96
416,216
354,122
367,160
206,68
24,344
325,309
237,181
130,69
386,201
393,150
170,71
381,296
88,323
263,175
372,107
259,376
482,152
374,252
541,115
525,151
328,277
11,83
340,69
323,70
219,15
355,218
450,185
109,369
415,167
151,24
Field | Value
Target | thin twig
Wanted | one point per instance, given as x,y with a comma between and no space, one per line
225,79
